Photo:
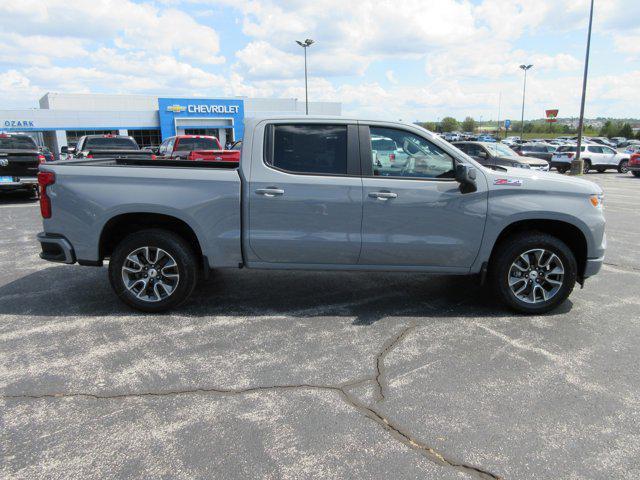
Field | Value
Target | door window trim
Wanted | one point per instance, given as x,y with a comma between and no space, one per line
366,160
353,162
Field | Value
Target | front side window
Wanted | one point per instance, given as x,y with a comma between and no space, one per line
306,148
413,157
595,149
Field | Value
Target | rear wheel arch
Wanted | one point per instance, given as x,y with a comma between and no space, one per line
121,226
567,232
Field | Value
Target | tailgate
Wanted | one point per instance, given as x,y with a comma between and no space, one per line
19,163
215,155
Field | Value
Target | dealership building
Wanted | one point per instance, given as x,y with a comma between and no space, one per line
63,118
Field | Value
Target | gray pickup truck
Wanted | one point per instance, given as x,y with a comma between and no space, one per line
309,195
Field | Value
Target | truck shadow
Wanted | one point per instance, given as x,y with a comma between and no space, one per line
17,197
366,296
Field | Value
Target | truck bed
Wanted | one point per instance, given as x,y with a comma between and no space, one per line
87,194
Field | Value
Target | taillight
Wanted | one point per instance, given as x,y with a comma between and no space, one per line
89,156
41,159
44,180
192,156
153,157
570,155
392,157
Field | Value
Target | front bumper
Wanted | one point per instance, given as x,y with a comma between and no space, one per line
540,168
19,183
56,248
592,266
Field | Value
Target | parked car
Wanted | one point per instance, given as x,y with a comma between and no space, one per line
595,157
46,153
634,164
499,155
108,146
543,151
386,153
196,147
451,136
602,141
303,198
19,160
486,138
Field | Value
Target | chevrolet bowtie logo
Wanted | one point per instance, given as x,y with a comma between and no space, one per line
176,108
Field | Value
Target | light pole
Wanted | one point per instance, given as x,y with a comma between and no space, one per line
577,164
307,43
524,89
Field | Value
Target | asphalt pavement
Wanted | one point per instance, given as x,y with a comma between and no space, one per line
269,374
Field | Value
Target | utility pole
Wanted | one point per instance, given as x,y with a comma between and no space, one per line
307,43
524,89
577,164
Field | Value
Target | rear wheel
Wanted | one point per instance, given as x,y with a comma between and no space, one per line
533,272
562,169
153,270
623,167
586,166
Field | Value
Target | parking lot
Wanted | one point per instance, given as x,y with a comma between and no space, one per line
268,374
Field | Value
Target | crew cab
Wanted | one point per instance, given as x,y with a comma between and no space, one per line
19,160
107,146
634,164
308,194
197,147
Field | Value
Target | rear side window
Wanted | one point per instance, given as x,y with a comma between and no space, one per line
110,143
190,144
23,142
319,149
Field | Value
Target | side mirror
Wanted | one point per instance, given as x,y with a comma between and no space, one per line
64,149
466,177
483,154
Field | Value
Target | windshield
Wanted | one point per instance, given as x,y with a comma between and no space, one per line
110,143
17,143
501,150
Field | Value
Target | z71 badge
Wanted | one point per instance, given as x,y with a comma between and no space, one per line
513,182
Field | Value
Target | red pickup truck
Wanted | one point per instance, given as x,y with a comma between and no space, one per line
196,147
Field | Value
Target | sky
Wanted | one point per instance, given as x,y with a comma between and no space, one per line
414,60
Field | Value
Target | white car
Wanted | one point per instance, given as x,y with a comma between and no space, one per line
595,157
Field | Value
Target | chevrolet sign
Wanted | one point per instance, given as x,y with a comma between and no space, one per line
176,108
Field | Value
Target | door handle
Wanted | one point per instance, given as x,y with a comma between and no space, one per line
270,192
383,195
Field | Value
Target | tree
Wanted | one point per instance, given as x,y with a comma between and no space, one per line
626,131
449,124
469,125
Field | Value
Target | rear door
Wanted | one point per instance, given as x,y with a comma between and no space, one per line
417,216
305,194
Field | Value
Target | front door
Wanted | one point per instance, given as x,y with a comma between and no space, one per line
305,195
414,214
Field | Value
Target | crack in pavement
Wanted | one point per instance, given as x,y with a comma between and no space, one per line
342,389
388,346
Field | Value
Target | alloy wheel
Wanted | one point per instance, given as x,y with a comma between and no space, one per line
536,276
150,274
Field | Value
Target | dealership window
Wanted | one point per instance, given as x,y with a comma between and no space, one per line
309,148
74,135
146,138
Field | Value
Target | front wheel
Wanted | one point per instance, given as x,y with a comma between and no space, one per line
623,167
533,272
153,270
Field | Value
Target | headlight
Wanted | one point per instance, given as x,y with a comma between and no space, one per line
597,200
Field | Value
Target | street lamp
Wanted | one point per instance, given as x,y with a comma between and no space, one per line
307,43
524,89
577,164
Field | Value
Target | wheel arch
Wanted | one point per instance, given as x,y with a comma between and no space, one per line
119,226
569,233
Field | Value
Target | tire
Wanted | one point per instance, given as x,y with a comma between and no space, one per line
623,167
601,170
156,279
586,166
562,170
636,174
506,266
